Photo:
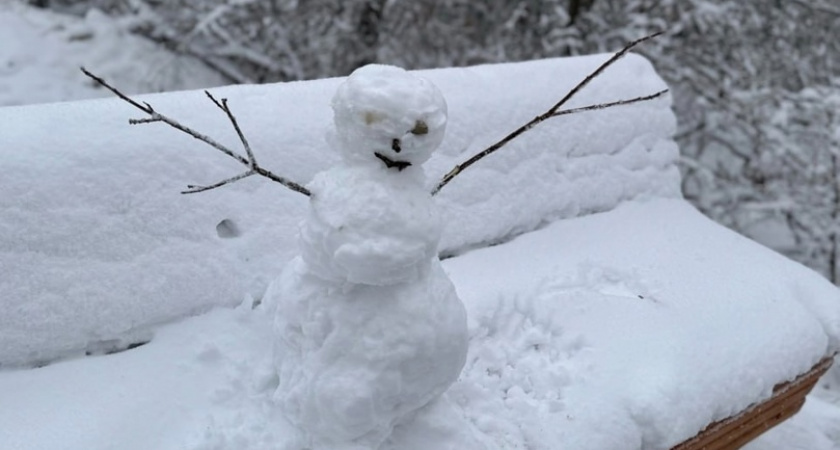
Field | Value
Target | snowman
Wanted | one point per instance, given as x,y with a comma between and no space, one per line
368,328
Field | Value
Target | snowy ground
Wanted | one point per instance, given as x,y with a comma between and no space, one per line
585,322
41,53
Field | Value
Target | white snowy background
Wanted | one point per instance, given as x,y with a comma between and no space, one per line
649,317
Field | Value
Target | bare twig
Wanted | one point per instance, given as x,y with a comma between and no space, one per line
192,189
145,107
618,55
142,121
224,107
249,161
555,111
611,104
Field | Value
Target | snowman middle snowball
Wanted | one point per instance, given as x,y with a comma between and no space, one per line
368,328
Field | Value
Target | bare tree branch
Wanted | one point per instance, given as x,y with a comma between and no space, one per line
553,112
142,121
250,161
146,109
610,105
818,7
192,189
618,55
224,107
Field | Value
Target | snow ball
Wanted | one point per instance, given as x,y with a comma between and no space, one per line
388,111
370,227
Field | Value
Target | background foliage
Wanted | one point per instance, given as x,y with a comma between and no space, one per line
756,83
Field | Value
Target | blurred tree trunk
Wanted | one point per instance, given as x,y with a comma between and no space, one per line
834,232
577,8
368,31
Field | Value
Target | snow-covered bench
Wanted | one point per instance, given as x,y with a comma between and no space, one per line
97,242
647,317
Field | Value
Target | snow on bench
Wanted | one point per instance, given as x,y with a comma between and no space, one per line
631,329
628,330
636,328
97,244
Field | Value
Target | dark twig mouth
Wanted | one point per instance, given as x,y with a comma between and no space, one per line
390,163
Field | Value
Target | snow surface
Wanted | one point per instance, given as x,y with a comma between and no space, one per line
596,333
41,53
662,295
97,245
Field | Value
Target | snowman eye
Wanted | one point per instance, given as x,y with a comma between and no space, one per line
372,117
420,128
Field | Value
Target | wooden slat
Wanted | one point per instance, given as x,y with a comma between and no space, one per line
735,432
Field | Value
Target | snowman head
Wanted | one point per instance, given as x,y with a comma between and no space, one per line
386,113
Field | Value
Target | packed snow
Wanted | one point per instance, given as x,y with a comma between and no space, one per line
630,324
